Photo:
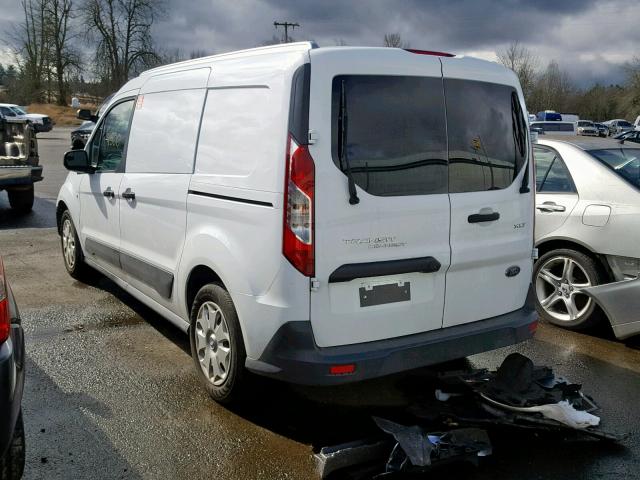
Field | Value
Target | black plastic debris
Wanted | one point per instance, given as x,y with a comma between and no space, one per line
453,418
416,450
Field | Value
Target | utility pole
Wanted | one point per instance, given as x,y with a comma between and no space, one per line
286,26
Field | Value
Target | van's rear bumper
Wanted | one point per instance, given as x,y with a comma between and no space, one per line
293,356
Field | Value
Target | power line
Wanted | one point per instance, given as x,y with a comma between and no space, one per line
286,26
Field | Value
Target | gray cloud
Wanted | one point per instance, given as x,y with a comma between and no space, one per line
591,39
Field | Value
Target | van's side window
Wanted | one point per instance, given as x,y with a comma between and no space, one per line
109,142
483,149
552,175
394,136
164,131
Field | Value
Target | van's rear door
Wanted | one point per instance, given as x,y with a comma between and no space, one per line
379,264
491,220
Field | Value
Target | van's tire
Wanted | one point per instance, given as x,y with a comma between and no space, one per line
558,277
12,463
217,344
21,200
72,255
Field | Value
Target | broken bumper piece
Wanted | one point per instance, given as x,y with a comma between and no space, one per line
621,303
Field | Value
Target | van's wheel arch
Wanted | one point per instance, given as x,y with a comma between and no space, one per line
217,344
559,276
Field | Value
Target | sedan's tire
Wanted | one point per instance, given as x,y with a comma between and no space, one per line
217,344
21,200
12,463
559,277
71,250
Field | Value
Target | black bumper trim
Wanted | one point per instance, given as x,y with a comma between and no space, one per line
293,356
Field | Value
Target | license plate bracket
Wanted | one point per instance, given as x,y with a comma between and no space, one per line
385,293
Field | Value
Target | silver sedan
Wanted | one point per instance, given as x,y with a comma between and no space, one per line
588,233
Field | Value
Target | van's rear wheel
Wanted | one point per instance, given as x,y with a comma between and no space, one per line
217,346
560,276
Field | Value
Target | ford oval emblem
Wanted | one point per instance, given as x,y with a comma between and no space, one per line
512,271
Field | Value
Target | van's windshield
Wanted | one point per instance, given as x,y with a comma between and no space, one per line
624,161
397,134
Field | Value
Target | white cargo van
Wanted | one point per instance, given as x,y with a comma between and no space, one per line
317,215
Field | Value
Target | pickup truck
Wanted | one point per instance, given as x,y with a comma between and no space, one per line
19,163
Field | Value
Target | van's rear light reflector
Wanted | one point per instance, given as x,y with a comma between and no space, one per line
5,317
299,192
430,52
342,369
533,327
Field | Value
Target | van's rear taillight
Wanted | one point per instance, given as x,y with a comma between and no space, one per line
5,317
299,191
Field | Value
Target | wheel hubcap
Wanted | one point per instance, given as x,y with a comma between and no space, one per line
213,343
559,286
68,243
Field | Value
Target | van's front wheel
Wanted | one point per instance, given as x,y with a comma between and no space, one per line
217,346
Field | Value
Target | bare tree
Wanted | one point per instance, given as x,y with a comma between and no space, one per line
523,62
394,40
59,14
31,48
553,89
123,32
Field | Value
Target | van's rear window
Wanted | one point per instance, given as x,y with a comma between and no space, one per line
485,152
624,161
394,136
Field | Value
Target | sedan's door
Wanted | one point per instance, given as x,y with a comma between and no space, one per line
556,193
99,207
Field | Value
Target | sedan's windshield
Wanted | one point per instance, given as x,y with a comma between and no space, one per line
624,124
624,161
18,110
584,123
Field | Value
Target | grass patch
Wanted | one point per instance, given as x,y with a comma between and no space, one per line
62,116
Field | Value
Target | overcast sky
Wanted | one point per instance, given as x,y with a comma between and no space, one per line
590,39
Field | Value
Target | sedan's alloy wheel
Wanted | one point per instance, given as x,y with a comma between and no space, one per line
559,288
213,343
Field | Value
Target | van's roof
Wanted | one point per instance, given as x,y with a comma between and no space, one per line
203,61
302,47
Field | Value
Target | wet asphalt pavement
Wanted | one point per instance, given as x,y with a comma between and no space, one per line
112,391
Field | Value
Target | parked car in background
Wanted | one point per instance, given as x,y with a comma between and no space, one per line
554,128
80,135
603,130
41,123
570,117
587,230
12,439
618,126
629,136
586,127
19,163
289,239
548,116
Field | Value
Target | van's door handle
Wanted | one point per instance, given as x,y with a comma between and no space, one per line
109,193
483,217
129,194
551,207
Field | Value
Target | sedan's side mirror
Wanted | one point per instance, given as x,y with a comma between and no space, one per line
77,161
85,114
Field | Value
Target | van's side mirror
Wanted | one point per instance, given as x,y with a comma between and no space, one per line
77,161
85,114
